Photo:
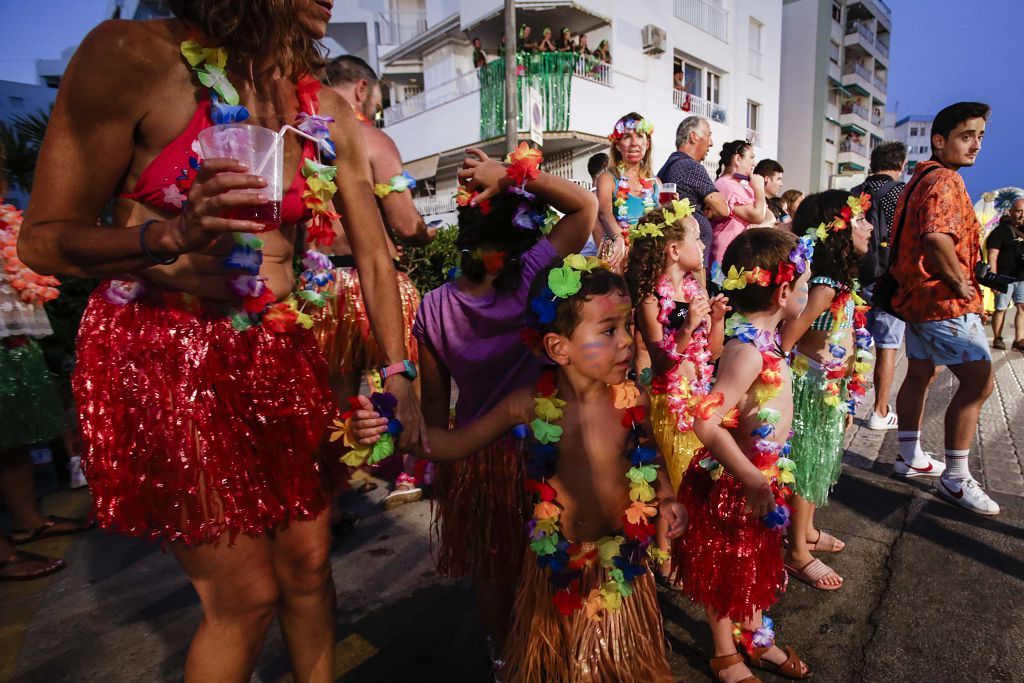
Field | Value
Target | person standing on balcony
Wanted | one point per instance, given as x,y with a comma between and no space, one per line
566,43
684,168
936,251
1005,245
526,43
771,171
547,44
603,53
582,48
341,327
479,56
744,195
627,191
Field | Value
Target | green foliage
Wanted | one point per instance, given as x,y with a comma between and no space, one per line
19,141
428,265
65,313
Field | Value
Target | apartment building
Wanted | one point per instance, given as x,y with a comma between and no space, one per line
915,133
726,54
835,57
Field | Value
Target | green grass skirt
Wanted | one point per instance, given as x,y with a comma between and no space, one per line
818,430
30,407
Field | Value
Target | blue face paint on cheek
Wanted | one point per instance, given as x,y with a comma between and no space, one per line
592,350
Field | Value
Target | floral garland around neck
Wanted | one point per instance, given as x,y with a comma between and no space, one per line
259,305
30,286
771,457
624,556
622,194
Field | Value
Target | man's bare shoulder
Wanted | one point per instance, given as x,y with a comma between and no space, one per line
139,47
379,142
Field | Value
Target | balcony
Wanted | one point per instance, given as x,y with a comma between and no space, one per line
395,28
882,44
706,16
452,90
861,28
857,77
435,205
853,148
753,137
878,120
873,9
882,81
855,109
698,106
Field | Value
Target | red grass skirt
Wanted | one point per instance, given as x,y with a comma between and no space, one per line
481,512
727,560
191,429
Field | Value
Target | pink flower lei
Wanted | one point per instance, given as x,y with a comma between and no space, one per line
696,352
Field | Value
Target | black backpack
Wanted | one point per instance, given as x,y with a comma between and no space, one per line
876,261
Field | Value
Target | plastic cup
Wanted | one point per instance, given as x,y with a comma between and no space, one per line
262,150
667,193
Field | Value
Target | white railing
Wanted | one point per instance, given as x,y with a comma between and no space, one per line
594,70
435,204
860,27
395,28
853,147
881,81
711,166
859,69
883,47
878,120
434,97
698,106
754,62
706,16
753,136
854,108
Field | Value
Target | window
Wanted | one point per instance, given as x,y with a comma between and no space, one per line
755,43
714,92
694,78
700,81
833,53
837,12
753,115
913,131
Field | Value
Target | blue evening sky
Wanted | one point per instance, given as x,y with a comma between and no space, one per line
942,51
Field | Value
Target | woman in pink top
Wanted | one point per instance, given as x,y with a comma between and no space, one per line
744,193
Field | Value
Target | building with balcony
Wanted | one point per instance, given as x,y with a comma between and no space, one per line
726,52
915,133
835,68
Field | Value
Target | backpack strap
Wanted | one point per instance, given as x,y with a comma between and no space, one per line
894,238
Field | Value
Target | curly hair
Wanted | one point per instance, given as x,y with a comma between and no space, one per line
496,230
763,248
729,150
598,282
615,157
255,29
835,256
647,255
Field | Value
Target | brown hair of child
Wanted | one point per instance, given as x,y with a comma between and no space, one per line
763,248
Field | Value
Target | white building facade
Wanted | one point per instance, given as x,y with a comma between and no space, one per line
915,133
728,52
835,59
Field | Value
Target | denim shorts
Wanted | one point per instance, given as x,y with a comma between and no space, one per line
948,342
886,330
1014,292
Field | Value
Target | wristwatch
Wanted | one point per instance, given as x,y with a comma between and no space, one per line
404,367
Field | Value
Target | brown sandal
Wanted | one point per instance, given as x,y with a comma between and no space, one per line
719,664
20,557
788,669
49,530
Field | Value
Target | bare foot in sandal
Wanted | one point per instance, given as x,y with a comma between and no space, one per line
824,542
732,669
814,573
17,565
785,663
52,525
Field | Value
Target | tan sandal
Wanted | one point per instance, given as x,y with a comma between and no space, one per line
812,573
720,664
826,543
791,668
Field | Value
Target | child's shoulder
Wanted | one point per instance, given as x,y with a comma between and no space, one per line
738,354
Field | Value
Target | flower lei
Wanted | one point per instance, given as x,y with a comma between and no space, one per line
787,271
359,454
623,555
771,458
259,305
855,206
622,194
679,209
640,125
30,286
761,637
398,183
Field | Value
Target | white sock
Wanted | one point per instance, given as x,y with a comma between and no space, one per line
910,446
956,464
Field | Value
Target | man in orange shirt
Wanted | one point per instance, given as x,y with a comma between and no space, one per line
937,250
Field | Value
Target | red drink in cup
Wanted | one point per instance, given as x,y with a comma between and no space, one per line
667,193
262,150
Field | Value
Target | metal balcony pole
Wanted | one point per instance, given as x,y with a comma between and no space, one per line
511,91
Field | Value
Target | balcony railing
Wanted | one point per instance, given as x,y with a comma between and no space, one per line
395,28
753,136
754,62
861,28
878,120
854,108
550,73
881,80
698,106
706,16
883,46
435,204
859,69
434,97
853,147
594,70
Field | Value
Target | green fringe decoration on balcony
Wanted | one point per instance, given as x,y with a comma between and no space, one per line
549,72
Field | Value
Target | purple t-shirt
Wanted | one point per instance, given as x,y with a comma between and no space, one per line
478,338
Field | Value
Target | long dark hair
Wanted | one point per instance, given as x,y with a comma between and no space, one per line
253,30
834,257
494,228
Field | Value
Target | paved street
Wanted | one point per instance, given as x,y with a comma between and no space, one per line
932,593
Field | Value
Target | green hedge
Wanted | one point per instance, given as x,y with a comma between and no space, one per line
428,266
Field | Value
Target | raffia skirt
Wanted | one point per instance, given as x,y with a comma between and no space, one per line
818,430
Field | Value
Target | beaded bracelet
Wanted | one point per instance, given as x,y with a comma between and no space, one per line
145,249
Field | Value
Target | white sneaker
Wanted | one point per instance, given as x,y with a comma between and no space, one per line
922,467
75,470
967,494
881,424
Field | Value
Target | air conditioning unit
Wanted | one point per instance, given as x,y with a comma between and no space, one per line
654,39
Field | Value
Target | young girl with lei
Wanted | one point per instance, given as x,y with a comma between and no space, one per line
470,330
586,604
735,491
628,190
830,366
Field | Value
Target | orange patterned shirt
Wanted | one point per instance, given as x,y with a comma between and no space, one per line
939,203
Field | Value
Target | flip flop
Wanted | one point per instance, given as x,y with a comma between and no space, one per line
826,543
788,669
813,572
50,566
49,530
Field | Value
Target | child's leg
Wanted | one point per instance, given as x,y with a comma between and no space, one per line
772,654
494,602
798,556
663,543
725,645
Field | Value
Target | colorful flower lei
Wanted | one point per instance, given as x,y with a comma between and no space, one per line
30,286
679,209
761,637
771,458
640,125
359,454
787,271
523,165
563,282
621,200
398,183
855,207
625,556
258,303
